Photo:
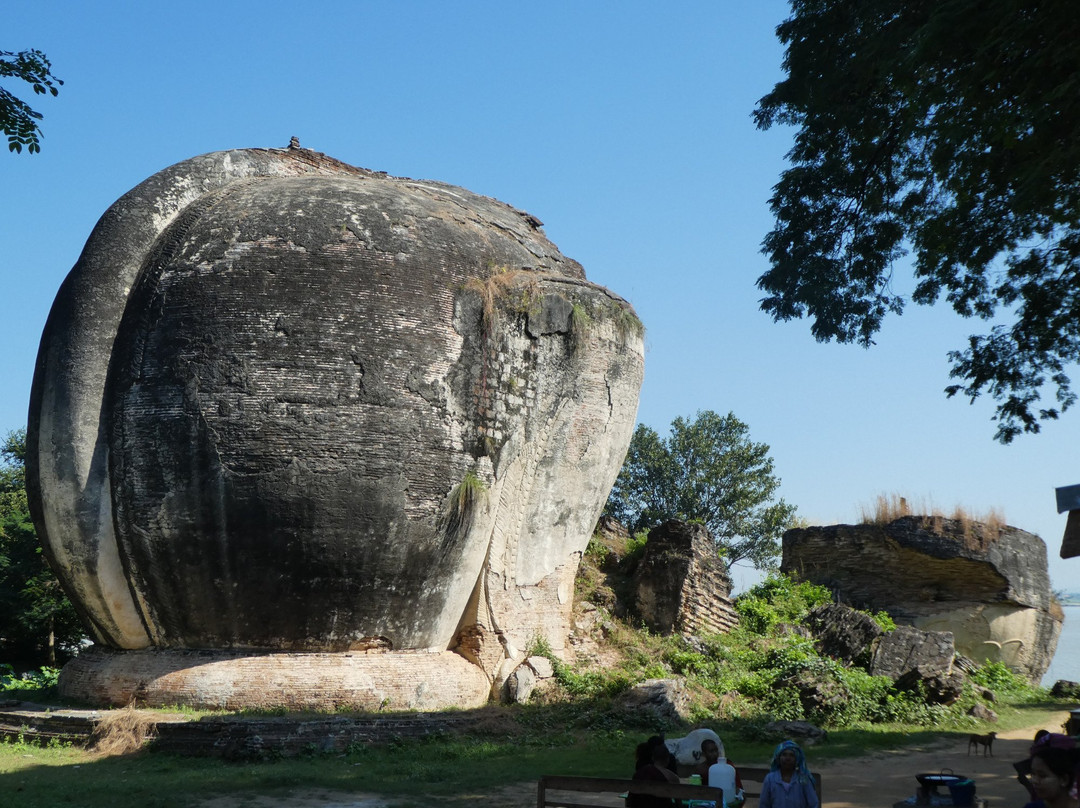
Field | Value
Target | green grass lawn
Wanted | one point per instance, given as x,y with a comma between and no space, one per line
32,776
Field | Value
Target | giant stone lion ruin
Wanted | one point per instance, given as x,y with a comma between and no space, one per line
307,435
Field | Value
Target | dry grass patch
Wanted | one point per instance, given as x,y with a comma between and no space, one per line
513,289
121,732
887,508
973,529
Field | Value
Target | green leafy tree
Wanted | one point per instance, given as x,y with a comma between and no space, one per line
707,470
17,120
945,130
36,618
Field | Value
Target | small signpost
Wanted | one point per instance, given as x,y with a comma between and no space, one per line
1068,499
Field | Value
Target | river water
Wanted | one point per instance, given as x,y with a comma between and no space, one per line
1066,662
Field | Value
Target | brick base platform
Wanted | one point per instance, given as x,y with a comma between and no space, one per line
294,681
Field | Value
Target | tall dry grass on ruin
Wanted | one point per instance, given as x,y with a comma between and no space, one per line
973,529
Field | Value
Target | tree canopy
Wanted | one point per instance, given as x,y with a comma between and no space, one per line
17,120
710,471
944,129
36,618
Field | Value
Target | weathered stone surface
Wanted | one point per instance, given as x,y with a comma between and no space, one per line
587,618
520,684
1064,689
940,688
541,666
239,739
819,693
843,632
907,649
262,384
480,646
909,656
983,713
681,585
665,699
990,588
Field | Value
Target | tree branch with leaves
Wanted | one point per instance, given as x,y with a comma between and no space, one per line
17,119
944,130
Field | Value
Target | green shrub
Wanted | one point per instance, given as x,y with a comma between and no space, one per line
999,678
597,552
635,547
778,600
759,678
756,615
461,506
884,620
33,684
584,684
590,684
762,671
540,647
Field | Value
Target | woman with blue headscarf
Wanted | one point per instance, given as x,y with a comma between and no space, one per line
789,783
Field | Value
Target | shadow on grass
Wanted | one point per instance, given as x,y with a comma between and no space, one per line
460,755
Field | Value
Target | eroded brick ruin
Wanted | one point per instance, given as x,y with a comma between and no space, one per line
296,420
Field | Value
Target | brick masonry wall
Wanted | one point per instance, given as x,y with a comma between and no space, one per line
681,584
237,737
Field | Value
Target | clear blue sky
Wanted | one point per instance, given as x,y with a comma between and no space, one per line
625,127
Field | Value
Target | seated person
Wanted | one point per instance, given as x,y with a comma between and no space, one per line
1055,763
644,752
655,771
1023,767
711,753
789,783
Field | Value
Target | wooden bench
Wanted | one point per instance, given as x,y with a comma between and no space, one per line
607,785
576,786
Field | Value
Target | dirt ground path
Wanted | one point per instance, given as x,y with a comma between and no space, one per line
880,780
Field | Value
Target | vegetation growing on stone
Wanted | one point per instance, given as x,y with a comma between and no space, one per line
464,499
884,620
626,322
506,289
778,601
975,528
580,321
